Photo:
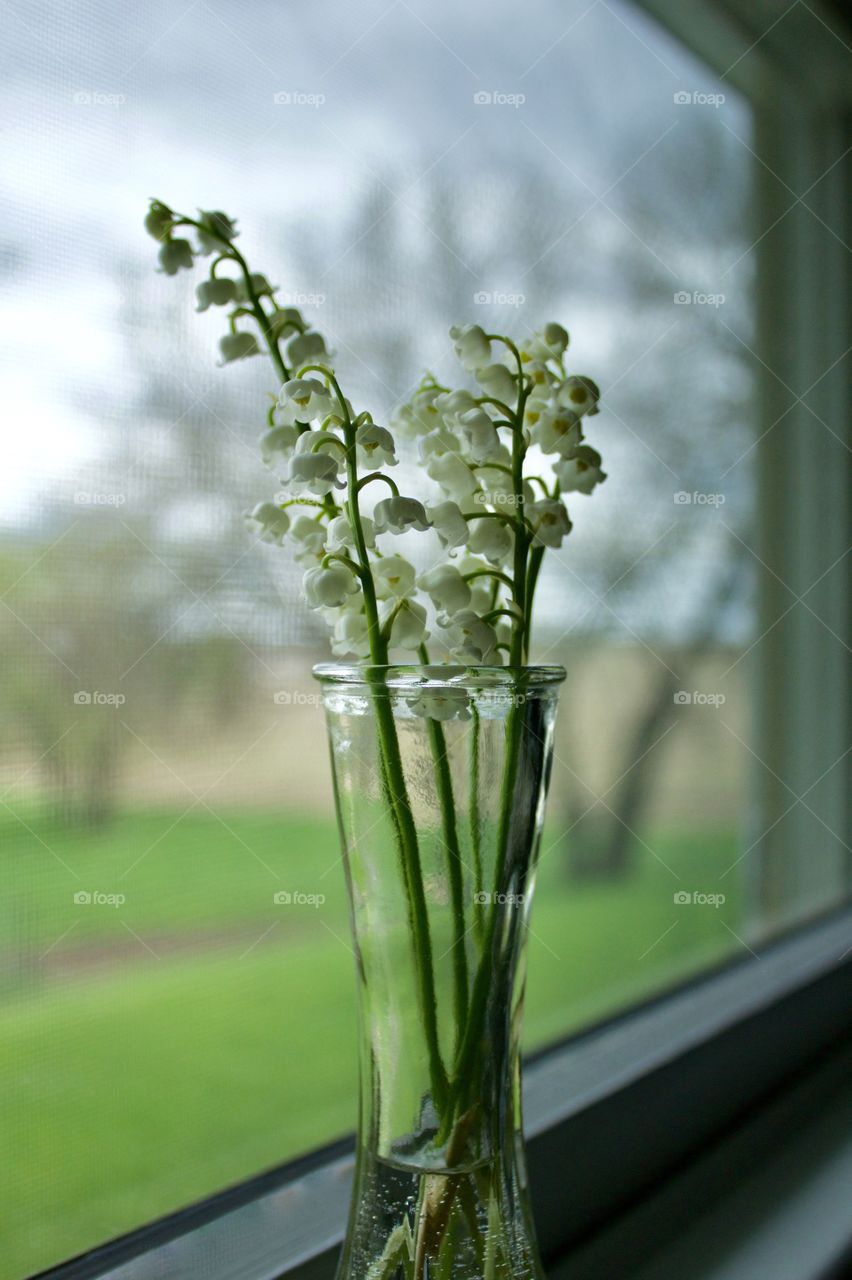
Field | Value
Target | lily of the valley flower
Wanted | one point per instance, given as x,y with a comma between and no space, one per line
215,227
408,629
581,472
470,640
350,633
444,704
339,535
260,286
310,538
396,514
449,524
446,588
329,586
557,431
277,444
314,473
549,520
453,475
375,446
580,395
480,434
472,345
492,539
303,400
236,346
307,348
175,254
497,381
549,344
394,577
159,220
272,521
216,292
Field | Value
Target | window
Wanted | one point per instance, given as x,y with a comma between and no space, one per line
168,1029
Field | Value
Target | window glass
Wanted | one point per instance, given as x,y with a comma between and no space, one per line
166,1027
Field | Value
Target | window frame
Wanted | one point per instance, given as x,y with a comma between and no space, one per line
683,1067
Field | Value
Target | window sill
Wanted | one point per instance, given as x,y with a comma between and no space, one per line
609,1114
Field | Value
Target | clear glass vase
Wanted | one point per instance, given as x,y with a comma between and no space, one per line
440,776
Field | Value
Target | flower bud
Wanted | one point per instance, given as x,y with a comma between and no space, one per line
159,220
237,346
175,254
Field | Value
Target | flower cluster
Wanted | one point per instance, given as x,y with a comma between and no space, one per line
501,453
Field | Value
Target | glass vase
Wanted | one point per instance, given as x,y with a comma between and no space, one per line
440,777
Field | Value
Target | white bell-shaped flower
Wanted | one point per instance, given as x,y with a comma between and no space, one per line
237,346
408,629
339,536
454,476
480,434
309,534
303,400
271,520
307,348
449,523
438,442
350,632
215,227
548,344
174,254
277,445
397,514
471,345
328,586
285,322
314,473
260,287
215,293
375,446
393,576
446,588
442,704
580,395
497,381
580,473
419,415
557,431
451,403
492,539
549,520
470,640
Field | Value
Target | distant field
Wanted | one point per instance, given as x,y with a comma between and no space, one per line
156,1051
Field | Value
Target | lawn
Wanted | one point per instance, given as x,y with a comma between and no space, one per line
155,1051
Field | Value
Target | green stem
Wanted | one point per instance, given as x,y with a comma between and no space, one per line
475,834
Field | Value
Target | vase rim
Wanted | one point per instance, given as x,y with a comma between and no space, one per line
419,676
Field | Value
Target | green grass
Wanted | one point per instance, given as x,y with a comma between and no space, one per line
132,1083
